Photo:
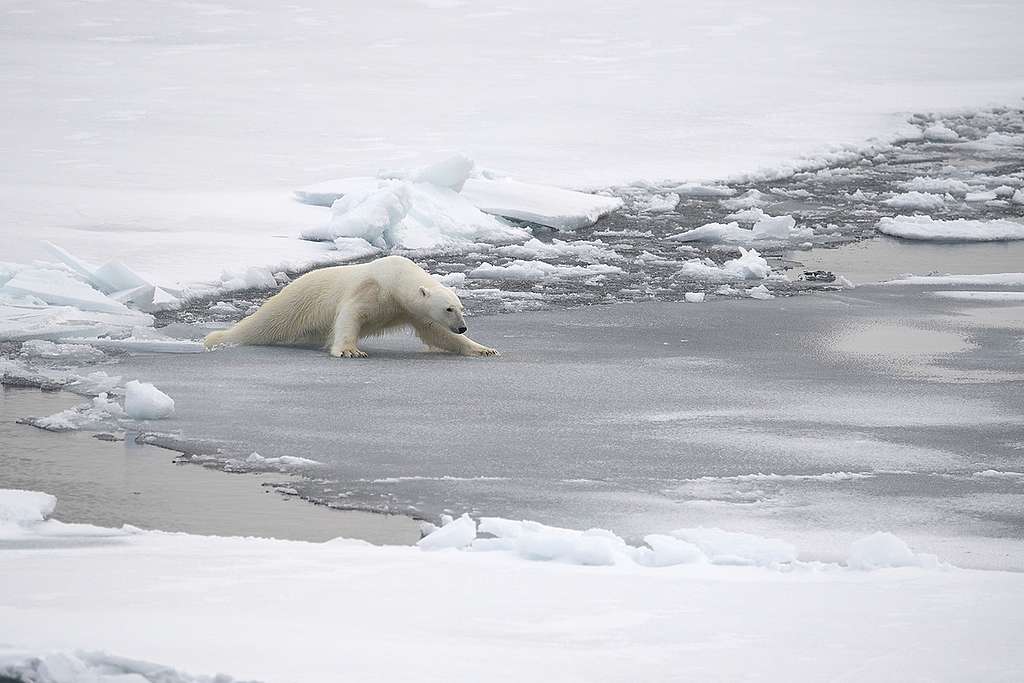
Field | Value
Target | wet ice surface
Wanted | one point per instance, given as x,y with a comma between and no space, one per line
813,418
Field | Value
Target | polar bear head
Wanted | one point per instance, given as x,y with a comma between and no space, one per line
441,306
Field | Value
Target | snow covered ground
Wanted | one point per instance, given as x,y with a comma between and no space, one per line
351,611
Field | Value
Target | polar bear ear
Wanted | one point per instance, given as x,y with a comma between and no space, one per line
424,291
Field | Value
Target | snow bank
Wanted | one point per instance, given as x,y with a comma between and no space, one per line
143,401
537,270
958,230
922,201
550,206
882,550
750,265
25,507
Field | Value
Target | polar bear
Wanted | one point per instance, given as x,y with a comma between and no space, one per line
333,308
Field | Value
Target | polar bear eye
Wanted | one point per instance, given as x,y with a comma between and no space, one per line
449,309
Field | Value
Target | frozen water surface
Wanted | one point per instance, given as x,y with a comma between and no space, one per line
754,415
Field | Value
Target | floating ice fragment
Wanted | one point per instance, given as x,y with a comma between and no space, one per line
143,401
958,230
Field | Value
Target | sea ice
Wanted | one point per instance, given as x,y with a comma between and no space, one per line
71,353
923,201
937,132
760,292
580,250
747,200
143,401
537,270
765,228
988,279
693,297
457,533
940,186
967,295
957,230
729,547
545,205
25,507
58,288
657,203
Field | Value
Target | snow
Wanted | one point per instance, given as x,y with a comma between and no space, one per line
882,549
71,592
91,667
537,270
923,201
25,507
143,401
551,206
987,279
957,230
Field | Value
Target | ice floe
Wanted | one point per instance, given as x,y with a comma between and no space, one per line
537,270
939,186
750,265
956,230
967,295
580,250
921,201
986,279
765,228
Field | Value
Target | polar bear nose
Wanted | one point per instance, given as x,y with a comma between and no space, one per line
462,329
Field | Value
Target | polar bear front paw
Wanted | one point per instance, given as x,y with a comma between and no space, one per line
485,351
350,352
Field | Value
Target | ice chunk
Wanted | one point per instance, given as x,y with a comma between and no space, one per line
958,230
747,200
114,276
698,190
139,342
882,549
541,204
981,196
451,173
328,192
751,215
255,458
25,507
251,278
458,533
937,185
693,297
537,270
71,353
143,401
535,541
715,232
657,203
58,288
749,266
410,215
581,250
1018,197
667,551
727,547
924,201
938,132
97,411
760,292
780,228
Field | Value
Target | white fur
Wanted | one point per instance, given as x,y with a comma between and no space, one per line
333,308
